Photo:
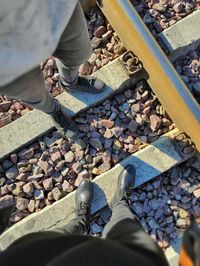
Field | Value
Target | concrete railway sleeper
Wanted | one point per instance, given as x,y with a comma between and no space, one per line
40,173
115,132
170,89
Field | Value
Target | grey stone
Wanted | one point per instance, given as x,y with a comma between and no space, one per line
6,200
154,204
38,194
57,194
31,206
36,170
152,223
26,153
50,141
117,131
96,143
35,177
48,183
133,125
7,164
158,213
76,167
108,143
137,207
80,144
148,19
84,174
181,223
174,178
105,215
2,181
12,173
69,157
96,229
56,157
22,204
155,122
64,171
104,167
28,188
66,187
196,87
14,158
60,165
143,196
136,107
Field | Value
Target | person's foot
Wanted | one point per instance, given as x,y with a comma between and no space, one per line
126,183
84,84
64,124
84,194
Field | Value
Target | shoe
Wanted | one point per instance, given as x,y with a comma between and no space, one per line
84,195
126,183
84,84
64,124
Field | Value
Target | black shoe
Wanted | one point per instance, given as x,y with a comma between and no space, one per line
126,183
83,201
64,124
84,84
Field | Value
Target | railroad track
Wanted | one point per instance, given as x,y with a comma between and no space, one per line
172,149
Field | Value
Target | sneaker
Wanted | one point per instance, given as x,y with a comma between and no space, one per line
84,84
83,201
64,124
126,183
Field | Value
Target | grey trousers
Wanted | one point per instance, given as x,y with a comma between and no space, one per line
123,228
73,49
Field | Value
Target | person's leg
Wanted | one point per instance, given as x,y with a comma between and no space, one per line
80,224
73,50
124,227
30,88
76,226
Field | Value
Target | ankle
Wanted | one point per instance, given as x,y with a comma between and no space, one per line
69,83
56,108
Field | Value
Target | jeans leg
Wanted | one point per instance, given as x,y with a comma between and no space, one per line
68,75
30,88
121,212
76,226
126,230
74,47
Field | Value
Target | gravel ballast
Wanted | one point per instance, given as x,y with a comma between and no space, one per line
189,69
159,15
163,205
52,167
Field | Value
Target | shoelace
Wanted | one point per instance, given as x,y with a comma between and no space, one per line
127,191
60,117
83,208
84,82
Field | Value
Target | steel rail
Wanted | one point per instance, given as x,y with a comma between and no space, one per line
163,78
